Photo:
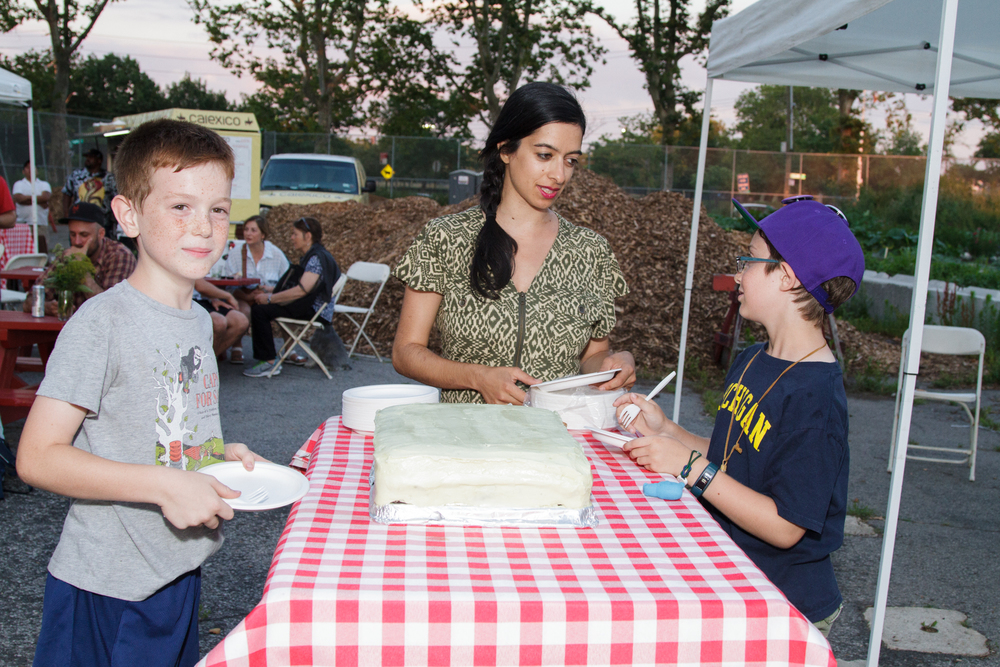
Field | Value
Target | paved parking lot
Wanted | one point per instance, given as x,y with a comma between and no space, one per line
946,549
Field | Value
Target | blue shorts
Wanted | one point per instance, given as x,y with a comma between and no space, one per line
83,629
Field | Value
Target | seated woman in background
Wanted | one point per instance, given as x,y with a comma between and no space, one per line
319,272
256,258
519,294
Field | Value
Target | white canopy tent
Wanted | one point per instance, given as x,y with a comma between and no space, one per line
911,46
17,90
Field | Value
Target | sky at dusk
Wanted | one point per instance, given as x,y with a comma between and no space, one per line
163,38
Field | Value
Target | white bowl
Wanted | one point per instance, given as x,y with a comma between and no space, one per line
361,403
582,408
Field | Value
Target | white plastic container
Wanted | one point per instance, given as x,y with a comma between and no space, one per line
360,404
580,408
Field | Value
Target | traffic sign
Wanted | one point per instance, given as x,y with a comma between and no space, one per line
387,172
743,183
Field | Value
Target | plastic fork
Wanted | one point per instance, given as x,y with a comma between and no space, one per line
257,497
630,412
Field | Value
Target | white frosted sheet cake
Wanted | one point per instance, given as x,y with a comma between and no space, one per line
483,456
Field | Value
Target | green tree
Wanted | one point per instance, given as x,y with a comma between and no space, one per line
762,115
419,111
987,111
334,56
69,22
191,93
989,145
662,34
516,41
112,86
38,68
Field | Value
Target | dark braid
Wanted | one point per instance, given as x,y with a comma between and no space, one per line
493,259
530,107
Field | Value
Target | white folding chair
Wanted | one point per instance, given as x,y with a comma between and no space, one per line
297,330
946,340
12,299
367,272
28,260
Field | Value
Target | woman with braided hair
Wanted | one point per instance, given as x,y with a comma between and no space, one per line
519,295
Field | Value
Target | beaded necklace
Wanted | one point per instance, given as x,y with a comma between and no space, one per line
732,415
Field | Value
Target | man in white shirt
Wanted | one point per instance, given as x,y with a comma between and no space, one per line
22,200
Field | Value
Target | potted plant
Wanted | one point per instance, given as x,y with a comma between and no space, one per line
66,277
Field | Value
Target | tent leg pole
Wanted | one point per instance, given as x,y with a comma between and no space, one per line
918,307
693,245
34,176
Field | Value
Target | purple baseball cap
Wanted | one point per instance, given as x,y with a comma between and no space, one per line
815,240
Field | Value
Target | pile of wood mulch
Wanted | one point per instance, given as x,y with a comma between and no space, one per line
649,237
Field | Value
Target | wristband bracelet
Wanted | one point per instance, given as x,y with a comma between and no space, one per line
707,475
695,455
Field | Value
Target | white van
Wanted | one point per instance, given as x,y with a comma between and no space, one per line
306,178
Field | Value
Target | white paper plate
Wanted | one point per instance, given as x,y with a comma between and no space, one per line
577,380
611,438
284,486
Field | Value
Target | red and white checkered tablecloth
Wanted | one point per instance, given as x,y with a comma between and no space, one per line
16,240
656,583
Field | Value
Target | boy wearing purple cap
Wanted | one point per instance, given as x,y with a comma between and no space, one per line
774,473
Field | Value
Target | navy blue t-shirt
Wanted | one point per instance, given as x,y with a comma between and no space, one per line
794,450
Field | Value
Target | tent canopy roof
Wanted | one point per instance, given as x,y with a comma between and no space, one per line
888,45
14,89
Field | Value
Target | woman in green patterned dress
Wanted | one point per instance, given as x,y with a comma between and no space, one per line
519,294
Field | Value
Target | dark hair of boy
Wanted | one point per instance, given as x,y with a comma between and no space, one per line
164,144
838,289
310,225
529,107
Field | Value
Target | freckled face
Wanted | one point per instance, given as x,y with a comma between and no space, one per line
543,164
184,223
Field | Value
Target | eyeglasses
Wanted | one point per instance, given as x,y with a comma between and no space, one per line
741,262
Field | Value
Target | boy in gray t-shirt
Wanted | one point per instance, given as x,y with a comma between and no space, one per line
128,411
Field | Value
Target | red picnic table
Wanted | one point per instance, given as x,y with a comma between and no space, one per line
18,332
655,583
26,275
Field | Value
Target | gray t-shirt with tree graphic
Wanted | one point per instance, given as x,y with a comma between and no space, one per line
146,375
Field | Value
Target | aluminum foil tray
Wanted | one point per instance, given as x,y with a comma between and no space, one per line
458,515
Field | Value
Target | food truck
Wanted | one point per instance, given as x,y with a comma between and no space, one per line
238,128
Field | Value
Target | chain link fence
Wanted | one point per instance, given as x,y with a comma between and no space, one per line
60,142
421,164
767,177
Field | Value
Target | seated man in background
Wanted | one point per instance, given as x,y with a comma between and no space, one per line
112,261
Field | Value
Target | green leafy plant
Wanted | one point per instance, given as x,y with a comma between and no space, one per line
68,272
